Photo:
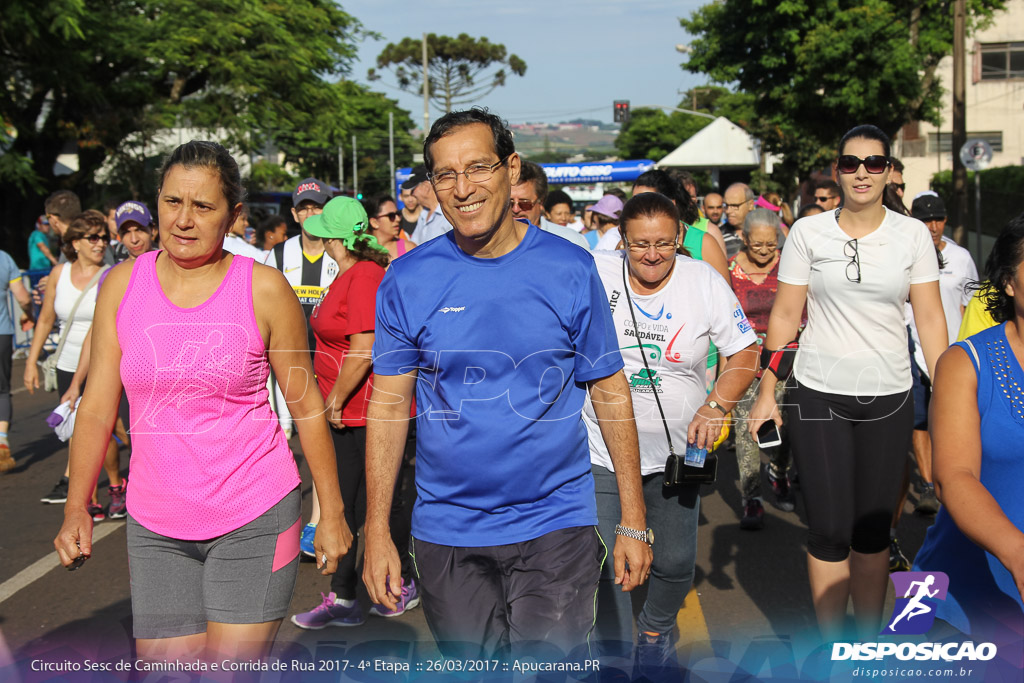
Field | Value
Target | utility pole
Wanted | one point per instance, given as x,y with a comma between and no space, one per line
959,212
355,176
391,151
426,89
341,167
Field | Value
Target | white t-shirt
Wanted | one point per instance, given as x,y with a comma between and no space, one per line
675,324
855,342
609,240
958,271
238,246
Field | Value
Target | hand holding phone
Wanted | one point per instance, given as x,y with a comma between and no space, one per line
768,434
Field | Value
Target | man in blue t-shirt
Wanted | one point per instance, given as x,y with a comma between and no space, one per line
500,328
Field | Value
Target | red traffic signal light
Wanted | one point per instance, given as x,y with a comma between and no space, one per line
620,111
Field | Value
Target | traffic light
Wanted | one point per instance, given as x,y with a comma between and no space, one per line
620,111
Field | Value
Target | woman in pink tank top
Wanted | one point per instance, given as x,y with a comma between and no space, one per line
385,225
190,334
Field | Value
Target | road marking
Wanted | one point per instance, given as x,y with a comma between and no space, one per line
40,568
693,628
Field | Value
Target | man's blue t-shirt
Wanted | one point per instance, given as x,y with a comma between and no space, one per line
504,347
36,258
8,273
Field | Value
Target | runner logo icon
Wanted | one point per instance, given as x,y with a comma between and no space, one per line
916,597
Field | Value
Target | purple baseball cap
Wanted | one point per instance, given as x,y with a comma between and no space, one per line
133,211
609,205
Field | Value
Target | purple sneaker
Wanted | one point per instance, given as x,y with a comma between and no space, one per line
329,613
410,598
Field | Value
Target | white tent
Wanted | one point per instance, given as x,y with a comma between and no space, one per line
719,145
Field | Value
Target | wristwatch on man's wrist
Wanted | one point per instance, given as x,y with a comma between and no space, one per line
645,536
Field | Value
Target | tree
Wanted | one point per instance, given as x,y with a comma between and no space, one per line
461,70
817,68
102,80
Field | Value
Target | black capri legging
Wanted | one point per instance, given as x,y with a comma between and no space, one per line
850,452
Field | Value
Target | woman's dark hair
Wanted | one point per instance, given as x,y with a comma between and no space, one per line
1003,261
650,205
269,225
374,204
867,132
503,144
205,154
362,250
556,197
673,189
82,225
891,200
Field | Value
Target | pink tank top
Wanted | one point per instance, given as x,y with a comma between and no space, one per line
208,454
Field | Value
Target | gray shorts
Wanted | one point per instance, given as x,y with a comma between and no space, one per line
245,576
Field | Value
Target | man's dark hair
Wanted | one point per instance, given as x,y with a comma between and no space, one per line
809,210
617,192
665,184
269,225
503,144
555,198
1000,268
64,204
830,185
897,165
530,172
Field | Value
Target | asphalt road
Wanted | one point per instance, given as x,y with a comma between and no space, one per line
750,602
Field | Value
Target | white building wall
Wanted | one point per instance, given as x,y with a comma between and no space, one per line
992,105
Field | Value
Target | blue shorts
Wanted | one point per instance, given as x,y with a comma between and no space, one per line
245,576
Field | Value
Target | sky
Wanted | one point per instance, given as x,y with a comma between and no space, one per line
580,54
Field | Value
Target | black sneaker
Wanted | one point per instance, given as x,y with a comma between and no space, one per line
654,658
898,562
753,515
782,490
927,504
95,511
59,494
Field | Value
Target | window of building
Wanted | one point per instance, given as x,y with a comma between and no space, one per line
942,143
1002,61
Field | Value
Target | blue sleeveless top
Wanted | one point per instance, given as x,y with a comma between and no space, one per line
982,594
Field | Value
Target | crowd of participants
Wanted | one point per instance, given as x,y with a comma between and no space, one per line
696,312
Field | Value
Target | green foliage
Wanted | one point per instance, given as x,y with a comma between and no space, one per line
107,80
461,70
266,176
1000,196
814,68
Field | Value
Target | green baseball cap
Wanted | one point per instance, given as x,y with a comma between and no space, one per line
342,217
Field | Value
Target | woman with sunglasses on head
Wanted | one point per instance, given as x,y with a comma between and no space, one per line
853,267
386,225
72,302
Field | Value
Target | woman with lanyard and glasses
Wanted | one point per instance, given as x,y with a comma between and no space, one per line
853,267
666,309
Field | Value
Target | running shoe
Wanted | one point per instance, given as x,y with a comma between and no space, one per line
753,515
898,562
117,509
654,658
306,540
410,598
95,510
927,504
59,494
782,490
329,613
6,459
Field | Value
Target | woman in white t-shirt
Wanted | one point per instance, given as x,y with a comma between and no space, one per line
673,308
851,412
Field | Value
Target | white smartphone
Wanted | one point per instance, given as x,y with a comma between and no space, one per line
768,435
